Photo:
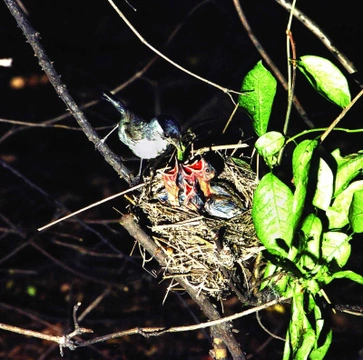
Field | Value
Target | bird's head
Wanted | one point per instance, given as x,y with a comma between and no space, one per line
171,132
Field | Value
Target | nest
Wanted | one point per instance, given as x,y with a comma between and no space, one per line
208,252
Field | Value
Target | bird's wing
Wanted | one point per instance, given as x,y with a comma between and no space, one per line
135,128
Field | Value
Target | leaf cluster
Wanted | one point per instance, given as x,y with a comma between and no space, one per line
306,227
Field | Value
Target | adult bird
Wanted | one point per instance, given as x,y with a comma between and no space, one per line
146,139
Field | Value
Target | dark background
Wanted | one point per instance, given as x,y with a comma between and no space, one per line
91,49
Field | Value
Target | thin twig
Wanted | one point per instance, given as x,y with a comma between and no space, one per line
340,117
291,68
58,204
270,63
267,330
45,125
346,63
142,39
157,331
31,333
91,206
65,340
156,57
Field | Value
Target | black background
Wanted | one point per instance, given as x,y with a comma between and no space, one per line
92,48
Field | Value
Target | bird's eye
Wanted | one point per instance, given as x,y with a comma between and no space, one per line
207,170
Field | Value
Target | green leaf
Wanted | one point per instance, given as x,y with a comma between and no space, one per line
180,152
348,168
320,352
339,211
336,247
322,344
287,348
269,146
326,78
312,229
277,284
301,333
356,212
324,186
301,160
271,214
269,271
242,164
260,87
305,338
351,275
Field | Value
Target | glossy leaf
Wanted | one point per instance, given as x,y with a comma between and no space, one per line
271,213
269,146
322,344
260,89
326,78
305,338
301,160
356,212
336,247
339,211
349,167
301,333
324,186
351,275
310,248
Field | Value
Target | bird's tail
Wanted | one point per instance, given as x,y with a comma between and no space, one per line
114,101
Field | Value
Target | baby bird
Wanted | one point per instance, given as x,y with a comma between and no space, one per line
223,202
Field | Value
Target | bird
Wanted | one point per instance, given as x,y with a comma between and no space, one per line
193,186
190,196
188,184
201,171
223,202
146,139
170,184
222,206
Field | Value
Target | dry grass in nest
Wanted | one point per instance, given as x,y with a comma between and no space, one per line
207,252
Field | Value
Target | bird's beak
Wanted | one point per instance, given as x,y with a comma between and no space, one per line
179,147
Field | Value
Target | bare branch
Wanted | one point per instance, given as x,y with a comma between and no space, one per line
33,38
340,116
142,39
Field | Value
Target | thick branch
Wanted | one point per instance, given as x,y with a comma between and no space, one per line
45,63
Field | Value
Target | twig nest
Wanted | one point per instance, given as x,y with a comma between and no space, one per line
209,244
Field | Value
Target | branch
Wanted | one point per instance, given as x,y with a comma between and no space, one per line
224,330
65,340
140,37
270,63
345,62
33,38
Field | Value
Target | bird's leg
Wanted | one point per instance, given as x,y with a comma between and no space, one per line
102,141
138,176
